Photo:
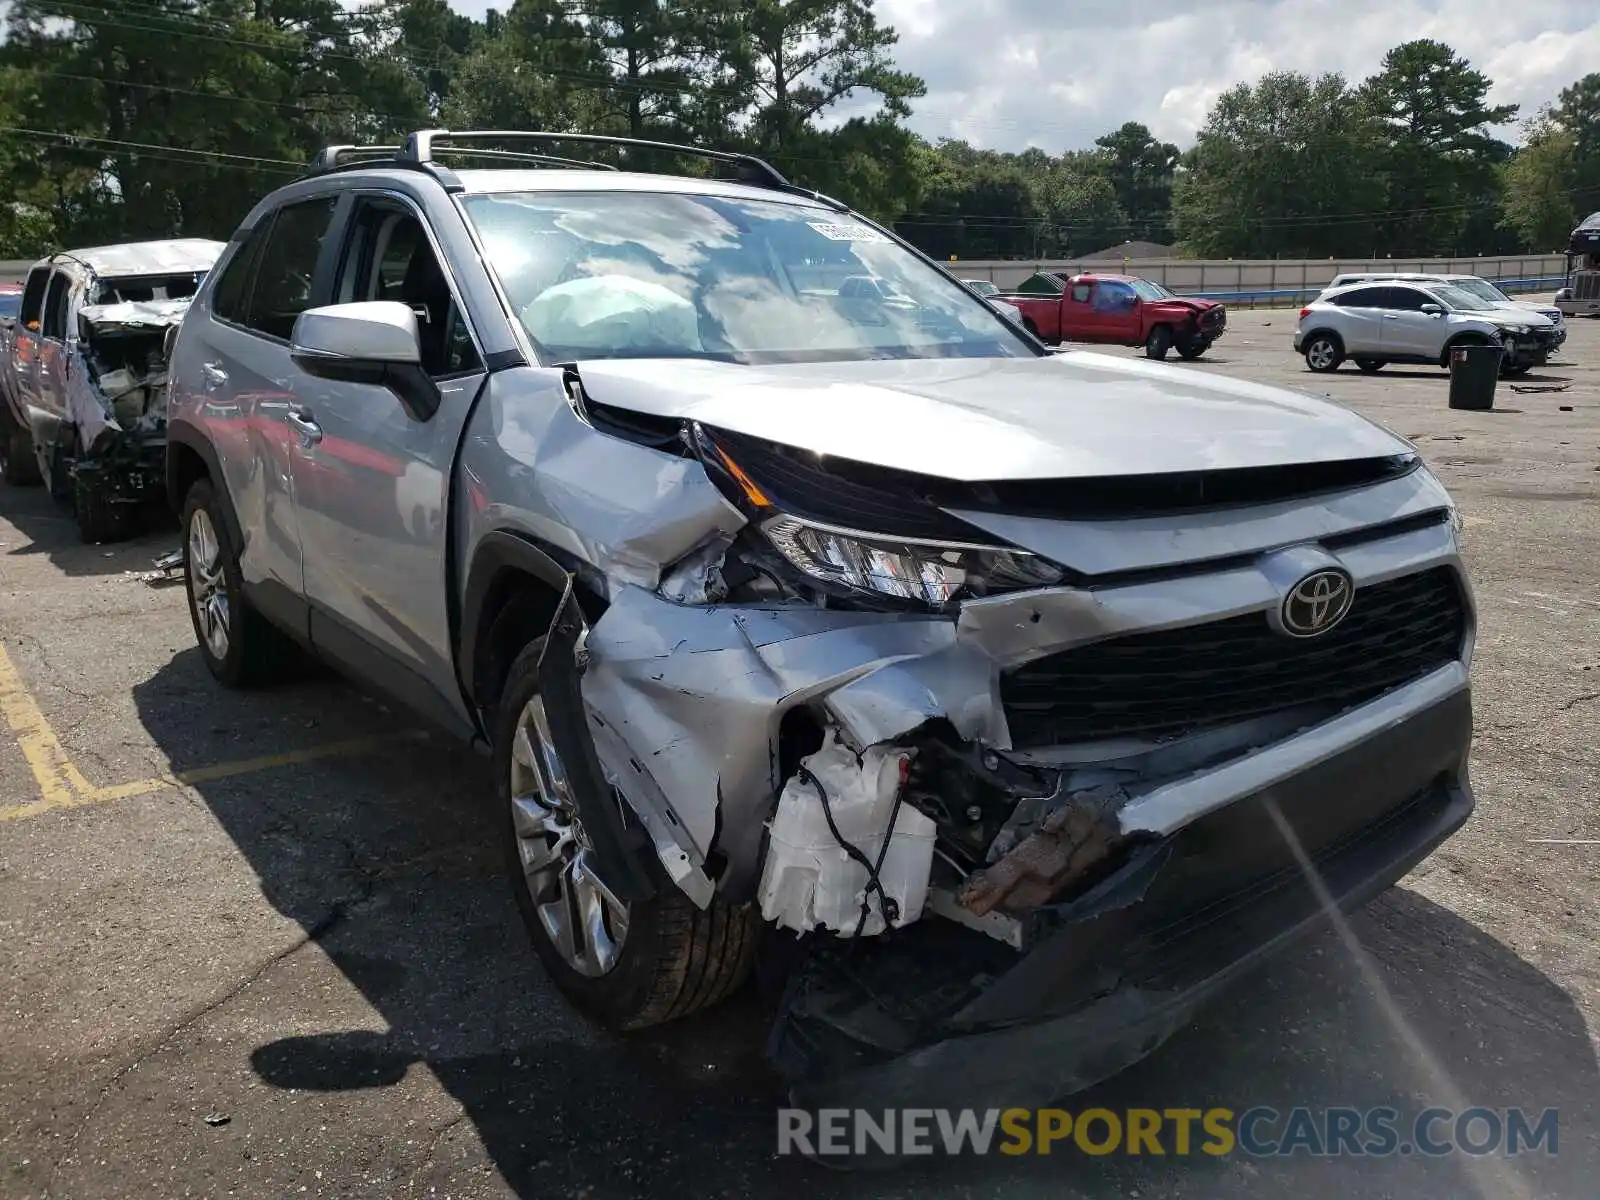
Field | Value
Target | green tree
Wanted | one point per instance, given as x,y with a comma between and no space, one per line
802,57
1577,111
1141,170
1537,199
1439,160
1281,168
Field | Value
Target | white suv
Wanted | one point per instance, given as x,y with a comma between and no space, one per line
1381,323
1492,297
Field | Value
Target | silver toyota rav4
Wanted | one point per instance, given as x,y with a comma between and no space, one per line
998,705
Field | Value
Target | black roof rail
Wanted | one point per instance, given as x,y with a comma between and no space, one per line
545,160
421,147
332,158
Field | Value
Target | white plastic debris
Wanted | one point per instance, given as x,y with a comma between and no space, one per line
809,880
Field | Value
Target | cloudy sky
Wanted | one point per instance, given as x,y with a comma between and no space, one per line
1058,73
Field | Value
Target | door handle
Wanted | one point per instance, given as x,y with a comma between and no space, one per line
310,432
214,375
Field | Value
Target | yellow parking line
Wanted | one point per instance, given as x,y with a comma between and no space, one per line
57,778
246,766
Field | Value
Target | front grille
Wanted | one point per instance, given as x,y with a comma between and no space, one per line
1214,320
1177,681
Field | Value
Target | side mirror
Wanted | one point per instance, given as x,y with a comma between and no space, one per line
1433,310
368,341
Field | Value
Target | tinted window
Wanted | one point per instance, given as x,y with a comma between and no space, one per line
389,257
1360,298
33,295
1404,298
55,307
233,285
1040,285
287,267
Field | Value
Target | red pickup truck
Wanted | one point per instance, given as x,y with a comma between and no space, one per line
1117,308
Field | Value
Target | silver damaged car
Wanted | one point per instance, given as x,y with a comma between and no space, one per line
997,706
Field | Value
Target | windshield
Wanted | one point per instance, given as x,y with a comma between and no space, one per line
1453,297
651,274
1151,291
1482,289
10,305
147,288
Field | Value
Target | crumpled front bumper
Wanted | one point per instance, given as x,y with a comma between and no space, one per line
1130,962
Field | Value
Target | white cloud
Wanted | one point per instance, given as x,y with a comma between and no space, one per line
1058,73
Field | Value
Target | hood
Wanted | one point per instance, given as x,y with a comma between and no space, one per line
1197,303
1072,415
1513,314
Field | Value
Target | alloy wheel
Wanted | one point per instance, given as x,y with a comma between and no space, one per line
585,921
208,589
1320,354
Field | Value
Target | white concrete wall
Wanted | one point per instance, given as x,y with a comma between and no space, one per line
1283,279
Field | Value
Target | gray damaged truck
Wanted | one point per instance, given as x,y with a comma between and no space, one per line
997,705
83,376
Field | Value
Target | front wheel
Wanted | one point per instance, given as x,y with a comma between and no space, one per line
1369,365
1324,353
1193,349
1511,370
1158,343
629,965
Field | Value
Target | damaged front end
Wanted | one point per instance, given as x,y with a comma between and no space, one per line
1011,816
116,398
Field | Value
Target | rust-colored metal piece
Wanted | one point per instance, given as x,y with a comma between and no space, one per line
1068,843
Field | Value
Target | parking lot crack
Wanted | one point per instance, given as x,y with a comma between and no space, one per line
433,1151
336,913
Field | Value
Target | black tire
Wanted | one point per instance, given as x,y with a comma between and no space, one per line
1369,365
1030,327
675,958
1192,349
18,467
1323,352
1511,370
99,517
256,651
1158,343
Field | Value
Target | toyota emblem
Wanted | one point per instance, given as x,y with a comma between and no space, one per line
1317,603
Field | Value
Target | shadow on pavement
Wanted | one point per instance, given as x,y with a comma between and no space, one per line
50,530
391,866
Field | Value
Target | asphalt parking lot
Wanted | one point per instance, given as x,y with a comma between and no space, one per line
262,945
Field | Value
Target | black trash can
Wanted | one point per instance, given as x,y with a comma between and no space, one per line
1474,370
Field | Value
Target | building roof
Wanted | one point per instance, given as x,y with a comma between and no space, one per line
1134,250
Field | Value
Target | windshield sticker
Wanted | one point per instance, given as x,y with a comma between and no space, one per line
847,233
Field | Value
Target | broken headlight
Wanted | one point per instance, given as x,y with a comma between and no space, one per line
932,572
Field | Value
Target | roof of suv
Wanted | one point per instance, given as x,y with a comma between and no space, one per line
173,256
481,181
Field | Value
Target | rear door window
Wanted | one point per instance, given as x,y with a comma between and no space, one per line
33,296
229,300
55,306
1370,297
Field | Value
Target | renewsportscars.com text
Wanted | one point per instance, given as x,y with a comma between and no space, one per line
1258,1132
